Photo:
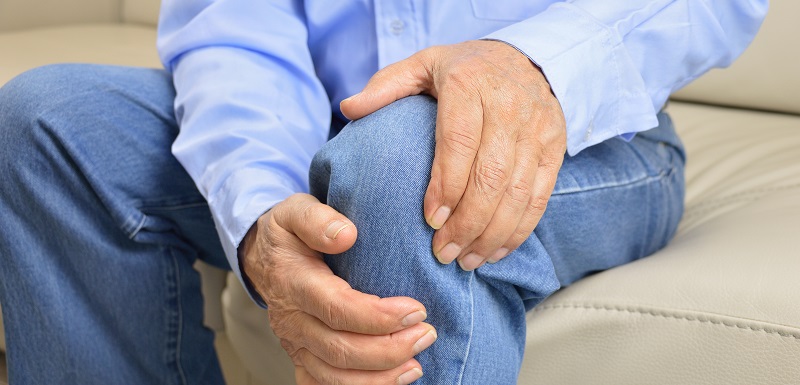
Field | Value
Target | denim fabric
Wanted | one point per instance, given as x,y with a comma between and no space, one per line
101,225
613,203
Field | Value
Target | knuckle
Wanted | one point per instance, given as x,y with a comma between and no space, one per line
463,77
519,192
460,142
335,314
286,327
292,351
521,234
490,176
337,351
465,229
537,205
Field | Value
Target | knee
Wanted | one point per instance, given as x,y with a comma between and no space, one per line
29,96
26,96
385,154
27,132
22,101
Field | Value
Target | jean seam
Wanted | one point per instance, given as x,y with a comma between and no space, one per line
132,234
471,327
174,293
644,180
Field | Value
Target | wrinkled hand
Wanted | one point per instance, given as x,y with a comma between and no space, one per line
500,141
333,334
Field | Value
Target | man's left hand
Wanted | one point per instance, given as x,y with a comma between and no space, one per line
500,141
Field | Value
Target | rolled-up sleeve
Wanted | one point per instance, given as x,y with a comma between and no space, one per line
251,110
613,64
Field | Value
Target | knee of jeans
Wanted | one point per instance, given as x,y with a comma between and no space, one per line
383,154
23,102
25,98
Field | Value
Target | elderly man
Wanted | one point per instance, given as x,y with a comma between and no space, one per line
462,114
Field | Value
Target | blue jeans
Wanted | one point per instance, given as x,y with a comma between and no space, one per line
101,226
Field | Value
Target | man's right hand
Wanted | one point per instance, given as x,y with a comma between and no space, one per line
333,333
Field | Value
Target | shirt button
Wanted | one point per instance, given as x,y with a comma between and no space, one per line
397,26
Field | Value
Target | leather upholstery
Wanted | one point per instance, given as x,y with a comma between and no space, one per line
27,14
765,76
718,305
140,11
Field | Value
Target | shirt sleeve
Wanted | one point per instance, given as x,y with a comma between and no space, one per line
613,64
251,110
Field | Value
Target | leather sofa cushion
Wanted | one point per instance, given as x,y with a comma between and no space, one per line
765,76
719,304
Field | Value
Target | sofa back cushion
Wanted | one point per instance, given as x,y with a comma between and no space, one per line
140,11
23,14
766,76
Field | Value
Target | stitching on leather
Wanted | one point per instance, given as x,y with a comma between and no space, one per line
700,318
710,205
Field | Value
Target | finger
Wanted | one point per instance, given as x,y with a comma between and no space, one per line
546,176
326,374
320,292
396,81
348,350
489,179
492,245
459,122
318,225
331,300
303,377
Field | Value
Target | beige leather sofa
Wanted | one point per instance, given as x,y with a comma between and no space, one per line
718,306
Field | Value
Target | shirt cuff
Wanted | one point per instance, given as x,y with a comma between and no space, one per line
590,72
235,212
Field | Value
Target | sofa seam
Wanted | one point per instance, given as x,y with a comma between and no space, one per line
703,319
709,205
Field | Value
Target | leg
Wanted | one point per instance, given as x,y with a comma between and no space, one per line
101,226
613,203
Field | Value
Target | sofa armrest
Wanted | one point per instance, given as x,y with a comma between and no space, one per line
26,14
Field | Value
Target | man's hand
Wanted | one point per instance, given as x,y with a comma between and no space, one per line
500,141
334,334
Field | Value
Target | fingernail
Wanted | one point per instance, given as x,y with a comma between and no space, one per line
409,376
448,253
440,217
425,341
498,255
335,228
415,318
470,262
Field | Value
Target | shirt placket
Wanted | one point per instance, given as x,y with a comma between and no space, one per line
396,29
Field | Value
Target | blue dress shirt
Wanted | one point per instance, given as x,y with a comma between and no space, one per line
258,80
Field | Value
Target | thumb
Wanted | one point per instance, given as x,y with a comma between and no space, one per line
405,78
317,225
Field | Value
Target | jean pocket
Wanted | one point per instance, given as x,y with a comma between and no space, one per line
511,10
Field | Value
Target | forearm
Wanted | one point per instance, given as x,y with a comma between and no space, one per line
251,110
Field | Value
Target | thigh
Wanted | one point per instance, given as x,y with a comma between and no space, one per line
115,127
102,226
614,203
